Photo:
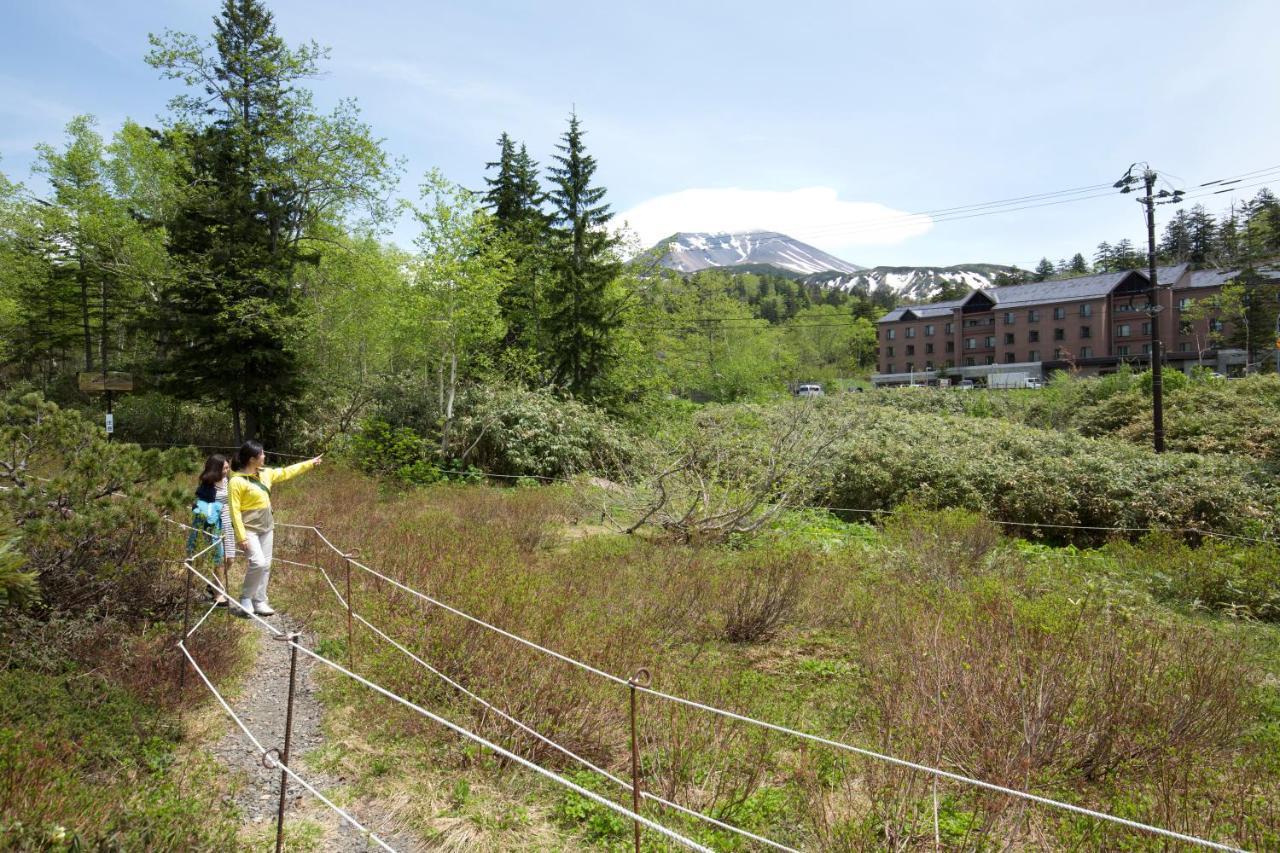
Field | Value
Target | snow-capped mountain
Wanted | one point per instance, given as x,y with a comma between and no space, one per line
693,251
769,251
913,283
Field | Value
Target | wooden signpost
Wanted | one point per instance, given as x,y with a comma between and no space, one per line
106,382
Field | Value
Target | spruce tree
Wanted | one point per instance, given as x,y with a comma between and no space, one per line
515,199
262,170
1044,270
1175,243
1201,232
581,312
1104,257
1079,266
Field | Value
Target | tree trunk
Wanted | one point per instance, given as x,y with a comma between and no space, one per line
83,279
235,421
446,408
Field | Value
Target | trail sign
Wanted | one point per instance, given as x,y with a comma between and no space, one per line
98,383
110,423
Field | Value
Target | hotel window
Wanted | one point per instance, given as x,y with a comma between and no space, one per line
1057,353
1184,346
1033,336
928,348
1146,328
951,346
1184,303
951,362
1059,334
991,359
1122,331
990,341
950,327
1215,325
888,368
1185,327
1146,349
1086,310
928,365
1059,313
1008,318
970,343
928,331
1008,358
911,349
1034,355
1086,352
1086,331
1122,350
911,331
910,367
890,352
1008,339
968,362
1033,316
893,333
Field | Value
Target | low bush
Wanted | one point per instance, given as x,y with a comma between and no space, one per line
1041,478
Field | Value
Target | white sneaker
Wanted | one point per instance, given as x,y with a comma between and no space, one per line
245,608
263,609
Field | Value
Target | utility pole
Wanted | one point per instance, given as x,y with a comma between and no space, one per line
1149,202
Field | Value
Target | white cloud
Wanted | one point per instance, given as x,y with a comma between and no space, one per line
814,214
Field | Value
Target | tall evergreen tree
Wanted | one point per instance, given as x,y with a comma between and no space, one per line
1175,243
582,314
1104,257
263,171
1201,233
515,199
1044,270
1078,266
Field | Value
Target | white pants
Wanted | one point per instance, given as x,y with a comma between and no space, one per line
258,550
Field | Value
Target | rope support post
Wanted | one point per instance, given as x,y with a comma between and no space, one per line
351,639
186,628
640,679
292,639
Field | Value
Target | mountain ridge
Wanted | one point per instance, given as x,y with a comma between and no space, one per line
771,251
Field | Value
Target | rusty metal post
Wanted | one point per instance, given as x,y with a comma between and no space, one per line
351,641
640,679
186,627
292,639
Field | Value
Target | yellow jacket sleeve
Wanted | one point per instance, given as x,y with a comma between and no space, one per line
235,493
271,476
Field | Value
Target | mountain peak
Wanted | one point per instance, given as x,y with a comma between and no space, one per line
690,251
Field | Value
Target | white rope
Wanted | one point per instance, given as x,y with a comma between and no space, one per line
506,753
945,774
538,735
263,751
212,608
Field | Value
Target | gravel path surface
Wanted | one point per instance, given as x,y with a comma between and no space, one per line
261,705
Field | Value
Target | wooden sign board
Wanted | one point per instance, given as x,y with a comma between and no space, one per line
97,383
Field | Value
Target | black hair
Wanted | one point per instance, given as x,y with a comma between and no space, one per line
249,450
212,472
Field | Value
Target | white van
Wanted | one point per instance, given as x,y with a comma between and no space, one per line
809,390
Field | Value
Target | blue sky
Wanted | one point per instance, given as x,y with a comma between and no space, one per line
812,118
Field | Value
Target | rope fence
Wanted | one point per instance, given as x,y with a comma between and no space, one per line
808,736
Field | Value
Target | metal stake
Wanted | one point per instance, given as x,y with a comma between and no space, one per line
291,639
186,627
351,644
640,679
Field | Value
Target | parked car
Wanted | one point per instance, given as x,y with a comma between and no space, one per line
966,385
1034,383
809,390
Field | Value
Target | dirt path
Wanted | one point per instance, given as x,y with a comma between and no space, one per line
261,704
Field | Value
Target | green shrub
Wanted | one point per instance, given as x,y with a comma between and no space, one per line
1015,473
533,432
1222,576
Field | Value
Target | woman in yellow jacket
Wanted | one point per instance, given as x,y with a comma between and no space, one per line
249,495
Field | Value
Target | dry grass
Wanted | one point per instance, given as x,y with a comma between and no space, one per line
940,644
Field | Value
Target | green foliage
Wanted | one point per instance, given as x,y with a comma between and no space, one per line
1239,579
399,452
16,586
84,766
598,823
85,508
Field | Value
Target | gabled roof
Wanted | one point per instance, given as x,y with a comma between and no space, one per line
1042,292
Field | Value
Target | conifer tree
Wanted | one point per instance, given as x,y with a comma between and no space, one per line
1044,270
1104,257
263,170
515,199
1175,243
1201,231
582,313
1079,266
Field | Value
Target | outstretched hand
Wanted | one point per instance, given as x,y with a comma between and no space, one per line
317,460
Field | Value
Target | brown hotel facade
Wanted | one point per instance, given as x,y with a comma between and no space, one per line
1091,324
